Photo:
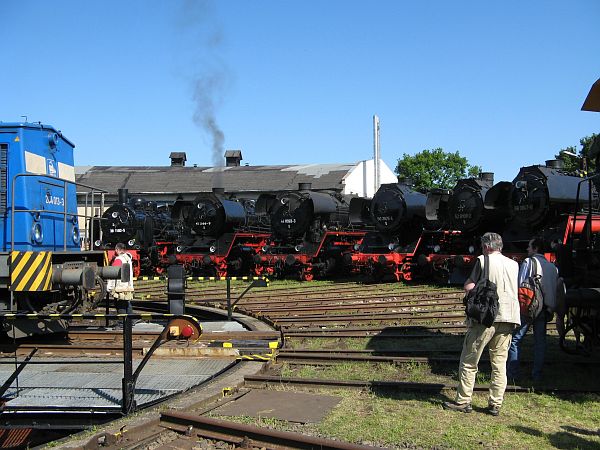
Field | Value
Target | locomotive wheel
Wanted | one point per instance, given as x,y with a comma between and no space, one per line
576,339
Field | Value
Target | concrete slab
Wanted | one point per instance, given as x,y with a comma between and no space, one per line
290,406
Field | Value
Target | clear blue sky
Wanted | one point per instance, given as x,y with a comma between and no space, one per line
298,82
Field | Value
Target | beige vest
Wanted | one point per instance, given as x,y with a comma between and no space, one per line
118,286
505,273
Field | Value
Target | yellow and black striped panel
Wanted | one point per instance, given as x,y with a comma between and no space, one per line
30,271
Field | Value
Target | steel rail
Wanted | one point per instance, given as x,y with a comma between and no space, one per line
377,304
267,436
396,385
305,356
352,313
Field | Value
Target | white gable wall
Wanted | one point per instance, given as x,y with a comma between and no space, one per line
360,180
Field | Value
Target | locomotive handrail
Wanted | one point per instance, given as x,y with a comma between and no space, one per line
53,181
589,213
90,232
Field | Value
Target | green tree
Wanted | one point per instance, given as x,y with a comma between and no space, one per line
573,163
435,169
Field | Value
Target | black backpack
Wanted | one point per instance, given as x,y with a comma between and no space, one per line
481,302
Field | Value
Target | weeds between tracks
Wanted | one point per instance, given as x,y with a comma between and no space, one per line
416,420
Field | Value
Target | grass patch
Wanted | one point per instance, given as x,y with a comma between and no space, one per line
415,372
527,421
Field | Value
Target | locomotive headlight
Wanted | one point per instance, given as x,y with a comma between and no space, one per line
37,235
356,247
98,243
265,248
75,235
521,184
471,249
52,140
436,248
298,247
391,246
179,249
131,242
114,214
212,249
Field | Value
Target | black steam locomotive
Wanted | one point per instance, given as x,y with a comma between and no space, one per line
139,224
398,214
216,234
310,231
538,202
447,253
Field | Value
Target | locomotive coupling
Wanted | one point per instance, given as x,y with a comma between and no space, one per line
85,275
114,272
81,276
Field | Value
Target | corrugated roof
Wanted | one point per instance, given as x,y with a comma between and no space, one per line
177,179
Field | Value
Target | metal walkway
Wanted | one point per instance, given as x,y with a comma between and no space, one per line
97,387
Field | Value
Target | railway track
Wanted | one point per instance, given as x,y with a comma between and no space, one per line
422,324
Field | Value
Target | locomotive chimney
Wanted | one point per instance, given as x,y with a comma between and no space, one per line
177,159
304,186
123,194
233,158
555,163
218,190
487,176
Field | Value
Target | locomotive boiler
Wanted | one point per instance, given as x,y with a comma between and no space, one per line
310,233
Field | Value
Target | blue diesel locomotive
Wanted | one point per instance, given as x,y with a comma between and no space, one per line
42,266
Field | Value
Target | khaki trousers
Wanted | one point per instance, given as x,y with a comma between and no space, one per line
498,338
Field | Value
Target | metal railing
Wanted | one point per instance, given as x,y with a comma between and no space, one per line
60,183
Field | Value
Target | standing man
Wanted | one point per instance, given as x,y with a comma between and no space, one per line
504,272
121,291
549,274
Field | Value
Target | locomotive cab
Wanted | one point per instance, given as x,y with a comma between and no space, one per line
42,266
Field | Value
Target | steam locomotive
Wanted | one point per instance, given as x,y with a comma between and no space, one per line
447,254
42,266
578,260
310,232
144,227
216,235
397,212
538,202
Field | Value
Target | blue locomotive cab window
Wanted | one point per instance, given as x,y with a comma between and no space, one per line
3,176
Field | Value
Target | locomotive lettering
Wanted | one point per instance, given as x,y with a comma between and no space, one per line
55,200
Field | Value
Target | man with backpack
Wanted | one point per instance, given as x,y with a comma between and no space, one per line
536,274
503,273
